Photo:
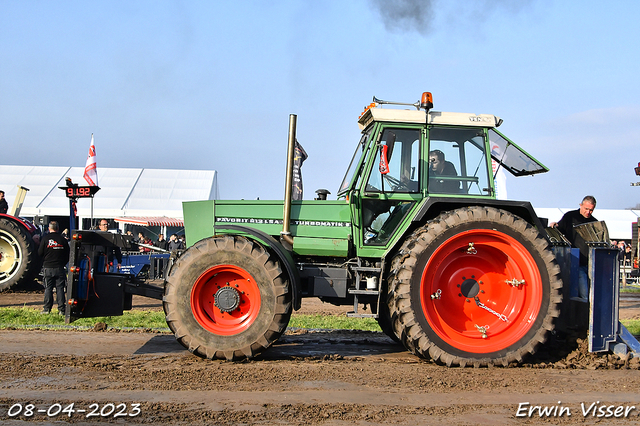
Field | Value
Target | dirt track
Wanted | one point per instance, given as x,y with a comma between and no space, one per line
322,378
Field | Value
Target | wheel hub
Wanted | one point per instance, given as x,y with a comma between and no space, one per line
470,288
227,299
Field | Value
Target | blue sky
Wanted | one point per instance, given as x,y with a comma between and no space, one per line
210,85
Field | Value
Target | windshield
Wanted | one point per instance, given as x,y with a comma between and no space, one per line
512,157
355,161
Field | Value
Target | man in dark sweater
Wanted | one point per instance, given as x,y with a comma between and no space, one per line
175,243
4,207
439,167
162,243
566,225
54,250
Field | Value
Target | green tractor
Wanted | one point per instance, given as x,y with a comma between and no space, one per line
416,239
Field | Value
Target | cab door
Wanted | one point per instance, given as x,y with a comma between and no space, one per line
393,186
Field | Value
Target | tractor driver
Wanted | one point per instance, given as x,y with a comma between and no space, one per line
438,166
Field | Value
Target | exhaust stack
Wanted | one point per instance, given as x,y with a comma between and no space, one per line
19,201
285,235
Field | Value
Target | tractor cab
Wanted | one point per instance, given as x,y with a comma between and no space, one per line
406,156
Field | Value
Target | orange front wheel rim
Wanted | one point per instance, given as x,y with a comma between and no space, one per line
225,300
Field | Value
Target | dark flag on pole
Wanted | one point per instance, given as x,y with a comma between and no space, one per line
299,156
73,214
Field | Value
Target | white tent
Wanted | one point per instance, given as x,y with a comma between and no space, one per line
123,192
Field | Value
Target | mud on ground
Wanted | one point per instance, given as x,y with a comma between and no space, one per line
306,378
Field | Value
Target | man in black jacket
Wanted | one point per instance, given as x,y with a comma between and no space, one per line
566,225
4,207
162,243
54,250
175,243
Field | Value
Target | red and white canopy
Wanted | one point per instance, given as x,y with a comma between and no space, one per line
151,221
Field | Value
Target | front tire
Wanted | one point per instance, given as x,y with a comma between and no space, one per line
227,298
475,286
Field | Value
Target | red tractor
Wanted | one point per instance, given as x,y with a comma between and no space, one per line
19,239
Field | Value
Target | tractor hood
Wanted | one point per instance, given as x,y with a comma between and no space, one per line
317,226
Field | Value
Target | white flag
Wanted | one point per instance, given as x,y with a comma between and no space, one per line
501,184
90,170
500,178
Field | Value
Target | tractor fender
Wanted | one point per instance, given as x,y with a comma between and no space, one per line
20,239
274,246
432,207
24,223
436,205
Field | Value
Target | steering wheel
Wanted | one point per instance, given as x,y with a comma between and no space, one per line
395,183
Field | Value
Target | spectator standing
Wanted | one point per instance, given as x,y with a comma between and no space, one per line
143,239
162,243
628,257
114,254
175,243
160,264
54,250
621,245
4,207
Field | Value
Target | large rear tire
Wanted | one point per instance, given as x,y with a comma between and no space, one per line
18,256
227,298
475,286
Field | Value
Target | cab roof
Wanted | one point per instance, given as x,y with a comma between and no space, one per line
431,117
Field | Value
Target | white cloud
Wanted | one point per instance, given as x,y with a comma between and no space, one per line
601,129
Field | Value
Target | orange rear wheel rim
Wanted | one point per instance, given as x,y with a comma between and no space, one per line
481,267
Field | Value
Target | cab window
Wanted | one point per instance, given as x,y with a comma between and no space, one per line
458,162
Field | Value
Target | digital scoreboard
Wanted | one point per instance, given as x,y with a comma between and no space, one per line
80,191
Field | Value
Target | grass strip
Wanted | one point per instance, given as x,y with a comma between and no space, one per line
333,322
633,326
29,317
141,319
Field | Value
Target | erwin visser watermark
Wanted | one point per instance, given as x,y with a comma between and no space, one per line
591,409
